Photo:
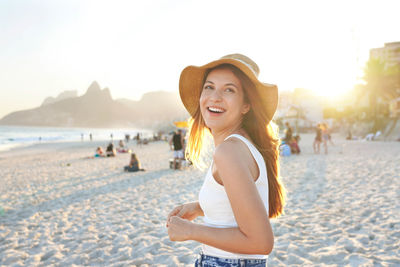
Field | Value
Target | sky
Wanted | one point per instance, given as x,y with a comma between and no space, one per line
133,47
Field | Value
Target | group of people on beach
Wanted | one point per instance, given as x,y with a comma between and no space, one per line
134,163
111,151
290,143
322,135
177,144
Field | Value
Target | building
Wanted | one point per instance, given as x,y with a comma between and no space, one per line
390,53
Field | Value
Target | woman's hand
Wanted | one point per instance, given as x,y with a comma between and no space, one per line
178,221
188,211
179,229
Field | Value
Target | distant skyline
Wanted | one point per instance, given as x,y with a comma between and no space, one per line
133,47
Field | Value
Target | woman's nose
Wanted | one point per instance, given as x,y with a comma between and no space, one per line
216,95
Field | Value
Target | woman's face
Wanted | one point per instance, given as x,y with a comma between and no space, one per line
222,100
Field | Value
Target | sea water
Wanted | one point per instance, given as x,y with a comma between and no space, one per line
15,136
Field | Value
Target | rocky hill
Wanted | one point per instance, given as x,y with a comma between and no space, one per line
62,96
96,108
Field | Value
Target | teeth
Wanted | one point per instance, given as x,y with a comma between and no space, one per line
216,109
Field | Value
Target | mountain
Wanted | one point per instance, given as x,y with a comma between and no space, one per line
159,105
62,96
96,108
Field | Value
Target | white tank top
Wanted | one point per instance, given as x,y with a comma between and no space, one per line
217,209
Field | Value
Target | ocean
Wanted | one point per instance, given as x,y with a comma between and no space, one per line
16,136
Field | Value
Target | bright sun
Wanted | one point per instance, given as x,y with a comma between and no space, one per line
331,80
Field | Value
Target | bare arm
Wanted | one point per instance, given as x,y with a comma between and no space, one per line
254,233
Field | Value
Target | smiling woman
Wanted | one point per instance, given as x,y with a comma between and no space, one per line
223,97
242,189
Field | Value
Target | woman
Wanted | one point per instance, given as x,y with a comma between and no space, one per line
325,136
134,164
110,150
99,152
241,190
318,139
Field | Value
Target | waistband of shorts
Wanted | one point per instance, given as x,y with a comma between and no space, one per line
240,262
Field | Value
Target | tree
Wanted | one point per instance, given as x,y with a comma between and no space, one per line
382,85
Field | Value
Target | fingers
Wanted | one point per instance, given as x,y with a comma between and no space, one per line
178,229
174,220
181,212
171,220
174,212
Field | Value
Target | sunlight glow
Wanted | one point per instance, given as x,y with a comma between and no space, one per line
134,47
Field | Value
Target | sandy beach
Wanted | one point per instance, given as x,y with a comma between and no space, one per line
59,208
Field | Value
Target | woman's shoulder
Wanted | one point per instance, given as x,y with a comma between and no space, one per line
233,157
231,151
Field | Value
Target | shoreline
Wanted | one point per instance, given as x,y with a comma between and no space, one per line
21,136
54,145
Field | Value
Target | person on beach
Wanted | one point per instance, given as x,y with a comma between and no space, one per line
288,134
134,164
121,147
294,145
110,151
349,135
318,139
329,136
325,136
242,189
139,142
176,143
99,152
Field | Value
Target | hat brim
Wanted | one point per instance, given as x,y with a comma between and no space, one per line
191,83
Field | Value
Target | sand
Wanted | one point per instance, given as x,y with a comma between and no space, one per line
59,208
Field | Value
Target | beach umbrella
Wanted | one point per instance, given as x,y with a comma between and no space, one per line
181,124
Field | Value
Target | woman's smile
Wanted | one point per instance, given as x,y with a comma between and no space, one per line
215,111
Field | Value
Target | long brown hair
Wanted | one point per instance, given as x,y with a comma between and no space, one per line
262,131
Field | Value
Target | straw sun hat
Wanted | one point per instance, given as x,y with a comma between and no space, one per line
192,78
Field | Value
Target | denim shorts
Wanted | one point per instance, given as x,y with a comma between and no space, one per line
210,261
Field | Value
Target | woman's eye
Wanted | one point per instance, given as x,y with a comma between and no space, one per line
230,90
208,87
